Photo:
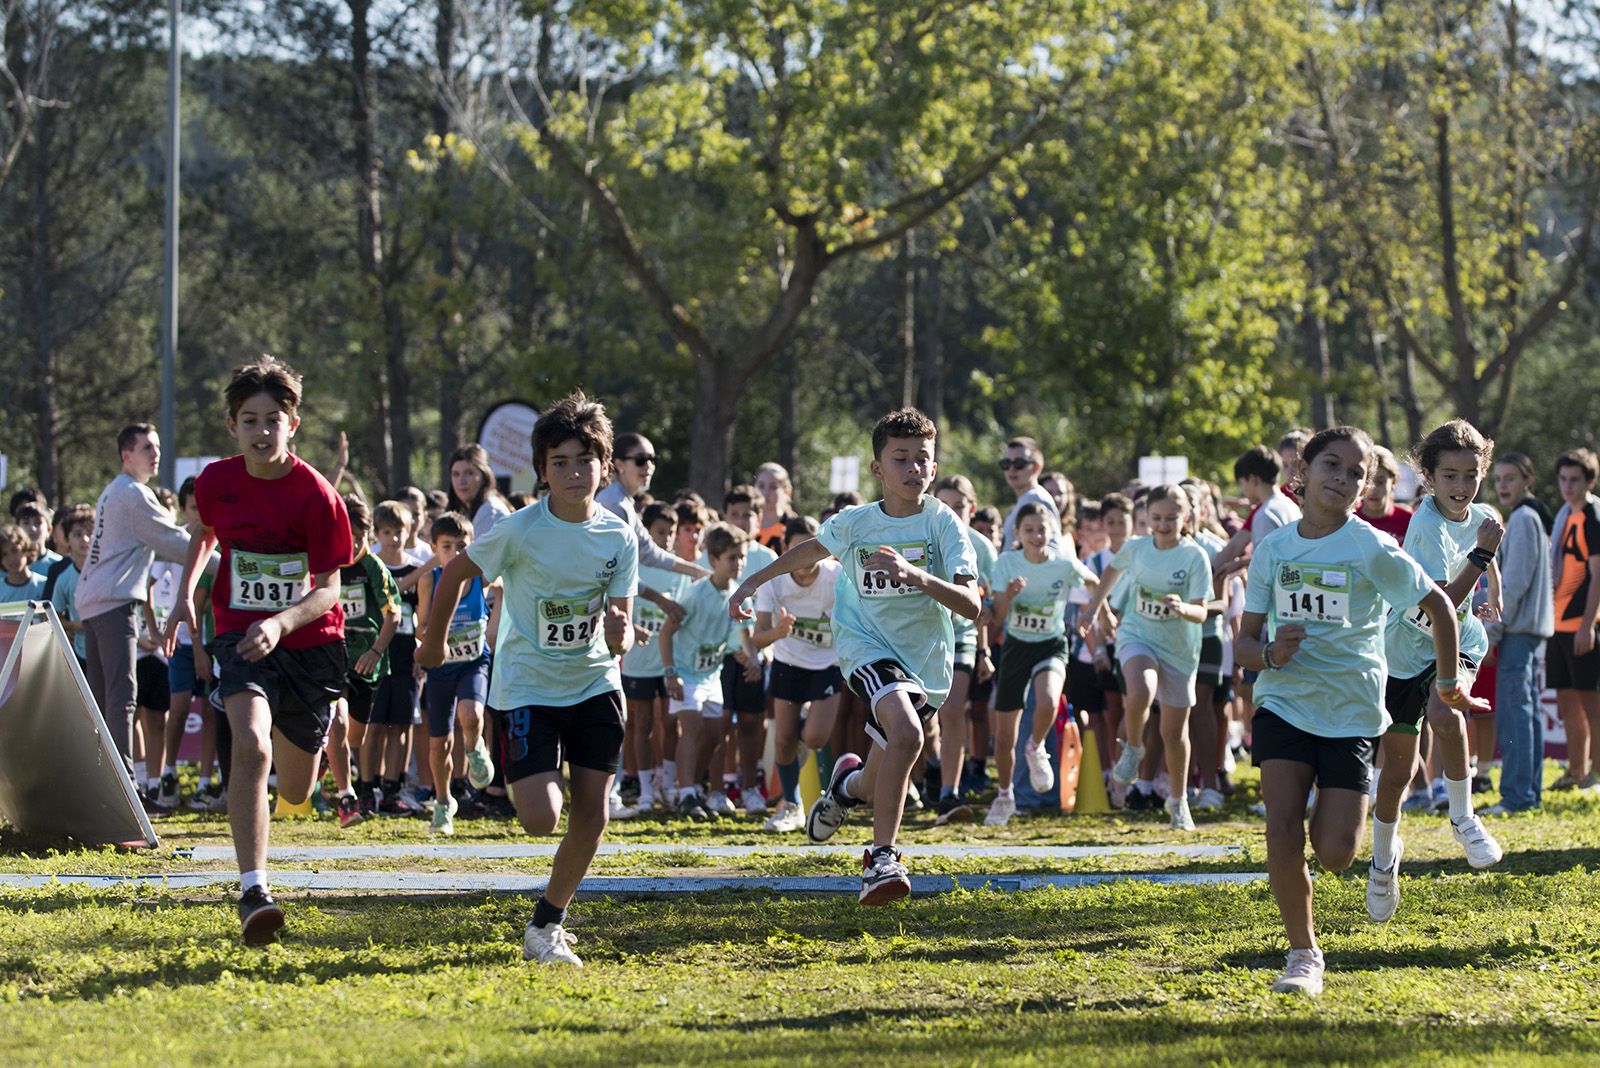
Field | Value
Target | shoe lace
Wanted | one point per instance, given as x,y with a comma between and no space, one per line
1302,964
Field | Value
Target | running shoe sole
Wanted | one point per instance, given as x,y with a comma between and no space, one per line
885,893
261,927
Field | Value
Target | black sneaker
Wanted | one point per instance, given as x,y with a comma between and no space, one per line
629,788
1481,783
1224,783
1139,801
259,917
690,808
350,812
952,808
368,801
168,796
498,807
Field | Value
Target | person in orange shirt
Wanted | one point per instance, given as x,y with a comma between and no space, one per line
772,482
1572,663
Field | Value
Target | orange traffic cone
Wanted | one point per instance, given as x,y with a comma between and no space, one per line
1071,750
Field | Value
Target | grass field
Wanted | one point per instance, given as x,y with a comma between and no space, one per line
1477,968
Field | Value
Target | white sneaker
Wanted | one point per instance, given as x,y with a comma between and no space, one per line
884,877
1178,812
444,818
1383,887
480,768
551,944
1481,848
1126,769
719,805
1303,975
1001,811
621,810
752,802
827,815
790,817
1208,800
1041,775
647,797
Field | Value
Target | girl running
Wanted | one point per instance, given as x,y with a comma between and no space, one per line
1158,640
1031,584
1313,628
794,615
1454,539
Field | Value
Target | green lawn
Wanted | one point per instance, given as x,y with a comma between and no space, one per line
1476,969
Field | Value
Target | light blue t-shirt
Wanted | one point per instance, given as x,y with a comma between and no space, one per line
1153,573
1441,547
877,619
706,635
1214,626
32,590
966,630
65,598
756,557
1336,587
42,565
1039,612
644,661
551,647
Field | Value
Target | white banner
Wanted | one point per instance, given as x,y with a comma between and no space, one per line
845,475
1160,470
506,434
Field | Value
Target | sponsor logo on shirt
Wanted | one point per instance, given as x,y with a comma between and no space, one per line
1289,577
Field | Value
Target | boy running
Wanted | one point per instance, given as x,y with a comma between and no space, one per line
568,569
370,600
906,566
280,658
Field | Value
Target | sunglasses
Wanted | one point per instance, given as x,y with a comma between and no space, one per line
1020,464
643,459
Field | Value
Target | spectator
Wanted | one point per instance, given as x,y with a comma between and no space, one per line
1527,618
131,529
1571,661
1378,507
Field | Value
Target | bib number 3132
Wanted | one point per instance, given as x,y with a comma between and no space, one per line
1312,594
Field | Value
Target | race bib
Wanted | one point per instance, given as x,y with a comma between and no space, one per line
566,624
817,632
408,619
1033,619
465,641
648,618
163,596
267,582
1150,605
707,658
353,599
1309,593
878,584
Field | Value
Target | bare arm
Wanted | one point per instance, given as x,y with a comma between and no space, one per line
183,609
445,596
808,553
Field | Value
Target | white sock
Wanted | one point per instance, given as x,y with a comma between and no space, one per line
247,879
669,771
347,792
1459,791
141,771
686,791
1005,792
848,786
1145,786
1383,843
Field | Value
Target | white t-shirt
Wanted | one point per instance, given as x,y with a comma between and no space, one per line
1276,511
810,645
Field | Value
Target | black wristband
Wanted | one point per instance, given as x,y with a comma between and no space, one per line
1480,558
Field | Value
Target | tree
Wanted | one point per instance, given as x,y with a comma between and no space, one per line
1442,135
733,154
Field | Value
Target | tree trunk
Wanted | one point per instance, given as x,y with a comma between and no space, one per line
1409,402
908,319
41,306
717,394
1380,364
789,420
1314,333
932,391
450,356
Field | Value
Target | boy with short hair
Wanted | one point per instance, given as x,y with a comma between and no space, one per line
1021,465
284,535
458,688
1572,660
394,703
34,519
569,571
693,657
370,601
79,525
907,565
744,689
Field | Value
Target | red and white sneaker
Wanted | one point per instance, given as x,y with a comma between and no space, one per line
884,877
828,814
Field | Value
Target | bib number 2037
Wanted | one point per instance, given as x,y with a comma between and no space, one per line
268,583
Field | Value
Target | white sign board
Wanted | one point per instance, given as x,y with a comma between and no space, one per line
1160,470
184,467
5,465
1408,487
845,475
507,436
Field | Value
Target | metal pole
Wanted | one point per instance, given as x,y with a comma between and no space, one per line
169,289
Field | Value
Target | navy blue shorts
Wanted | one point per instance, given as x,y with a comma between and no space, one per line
452,683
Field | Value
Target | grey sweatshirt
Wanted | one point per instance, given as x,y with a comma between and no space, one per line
131,530
1525,594
616,499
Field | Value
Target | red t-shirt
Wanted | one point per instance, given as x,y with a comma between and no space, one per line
275,536
1394,524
